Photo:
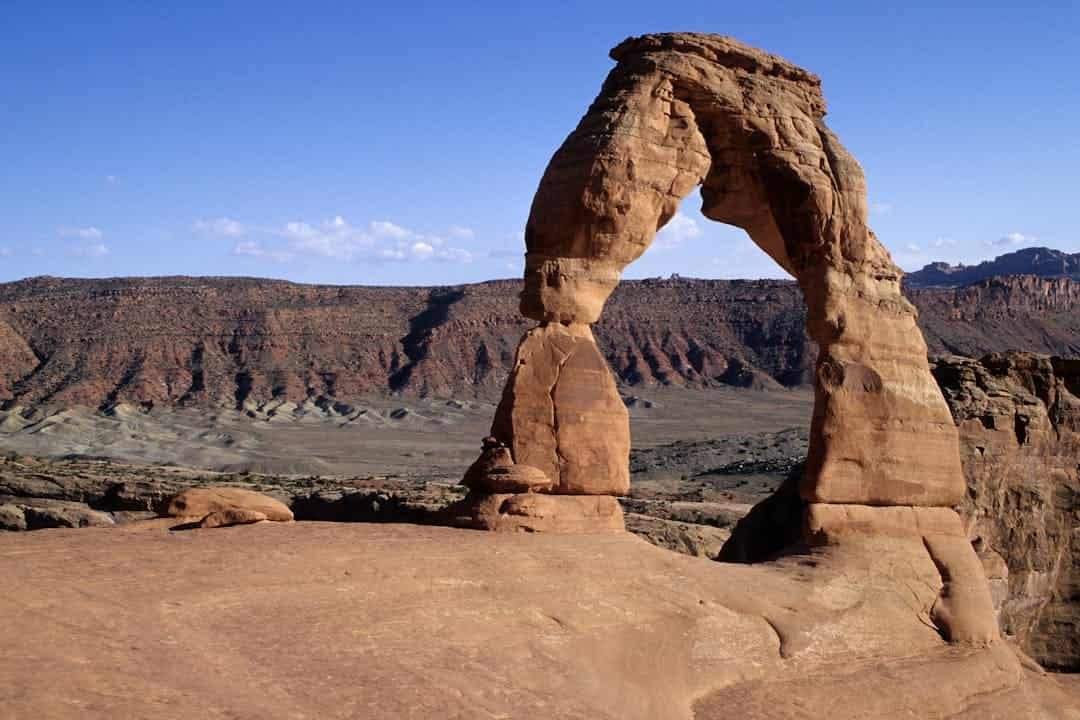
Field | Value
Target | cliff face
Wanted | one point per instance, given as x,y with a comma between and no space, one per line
1009,313
229,341
1019,421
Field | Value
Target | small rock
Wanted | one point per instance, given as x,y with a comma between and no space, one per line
12,518
232,516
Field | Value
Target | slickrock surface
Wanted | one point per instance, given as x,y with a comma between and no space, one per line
1019,420
219,341
390,621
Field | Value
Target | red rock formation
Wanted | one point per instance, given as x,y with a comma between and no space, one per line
683,110
1019,420
212,341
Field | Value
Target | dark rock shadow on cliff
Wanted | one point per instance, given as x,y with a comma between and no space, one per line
417,343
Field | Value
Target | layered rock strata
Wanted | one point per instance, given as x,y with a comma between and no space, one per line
266,345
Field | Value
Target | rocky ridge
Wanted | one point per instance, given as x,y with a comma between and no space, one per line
1038,261
248,342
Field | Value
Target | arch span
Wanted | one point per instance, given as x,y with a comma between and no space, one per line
684,111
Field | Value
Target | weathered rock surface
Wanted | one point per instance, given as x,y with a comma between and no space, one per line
537,512
496,472
199,502
210,342
1019,420
42,514
232,516
562,414
390,621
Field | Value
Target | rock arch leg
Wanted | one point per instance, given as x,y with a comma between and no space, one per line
679,111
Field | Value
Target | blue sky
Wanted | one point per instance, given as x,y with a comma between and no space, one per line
400,143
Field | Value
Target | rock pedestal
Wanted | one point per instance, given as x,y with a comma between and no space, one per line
561,429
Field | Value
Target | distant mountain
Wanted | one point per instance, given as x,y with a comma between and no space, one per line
1038,261
246,342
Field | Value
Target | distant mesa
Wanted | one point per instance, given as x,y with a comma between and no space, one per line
1039,261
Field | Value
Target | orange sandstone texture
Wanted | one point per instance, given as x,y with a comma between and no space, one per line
227,506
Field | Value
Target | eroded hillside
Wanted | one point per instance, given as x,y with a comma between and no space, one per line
231,341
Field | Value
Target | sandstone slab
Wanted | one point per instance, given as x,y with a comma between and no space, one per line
561,413
824,523
390,621
197,503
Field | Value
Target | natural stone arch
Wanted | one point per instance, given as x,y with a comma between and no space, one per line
681,111
684,110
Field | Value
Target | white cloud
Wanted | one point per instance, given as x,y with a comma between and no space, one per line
378,240
881,208
385,228
454,255
4,252
111,179
335,238
942,242
86,233
422,251
460,232
679,229
255,249
912,247
1013,238
89,251
223,226
251,248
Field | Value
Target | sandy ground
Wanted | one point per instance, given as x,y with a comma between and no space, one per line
700,460
386,437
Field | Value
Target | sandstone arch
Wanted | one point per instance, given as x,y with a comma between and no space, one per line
681,111
677,112
684,110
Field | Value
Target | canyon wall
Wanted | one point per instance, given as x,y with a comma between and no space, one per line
224,341
1019,421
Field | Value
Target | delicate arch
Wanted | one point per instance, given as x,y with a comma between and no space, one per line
683,110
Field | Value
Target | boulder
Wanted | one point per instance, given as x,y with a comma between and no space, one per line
197,503
12,518
42,514
496,472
